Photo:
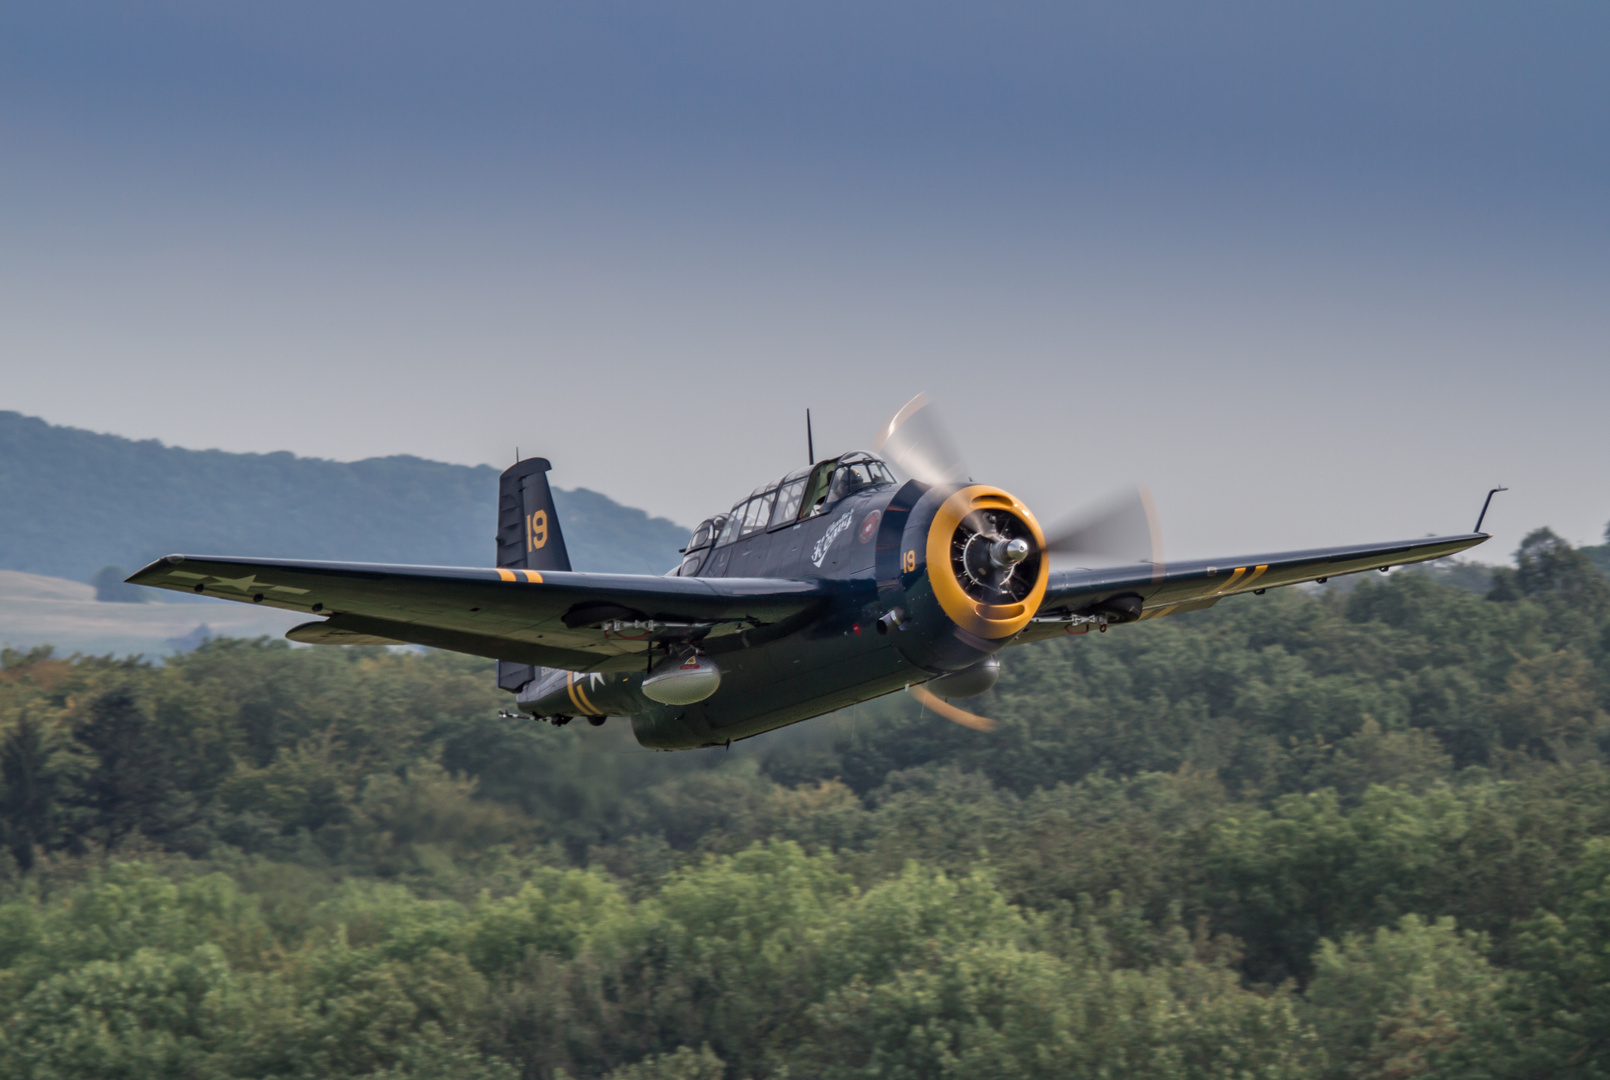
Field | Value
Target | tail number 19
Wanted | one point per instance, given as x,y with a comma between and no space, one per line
536,530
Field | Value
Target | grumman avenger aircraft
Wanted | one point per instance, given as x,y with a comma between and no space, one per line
835,584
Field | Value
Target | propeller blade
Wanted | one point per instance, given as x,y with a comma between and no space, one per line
1123,528
934,703
915,439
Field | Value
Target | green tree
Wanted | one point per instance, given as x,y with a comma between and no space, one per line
1551,706
685,1064
1400,1002
1561,999
149,1015
1549,569
999,1011
30,782
129,782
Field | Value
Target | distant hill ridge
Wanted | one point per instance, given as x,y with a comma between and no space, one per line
73,501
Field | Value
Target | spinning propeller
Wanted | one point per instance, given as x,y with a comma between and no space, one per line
1122,528
936,704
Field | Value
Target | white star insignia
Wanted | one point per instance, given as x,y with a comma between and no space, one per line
243,584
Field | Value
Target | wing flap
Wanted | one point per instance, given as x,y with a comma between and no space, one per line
328,632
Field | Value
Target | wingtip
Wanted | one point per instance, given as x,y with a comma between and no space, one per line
152,567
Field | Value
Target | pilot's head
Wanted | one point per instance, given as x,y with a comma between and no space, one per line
846,480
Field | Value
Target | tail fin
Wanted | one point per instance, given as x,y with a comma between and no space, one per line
528,526
528,538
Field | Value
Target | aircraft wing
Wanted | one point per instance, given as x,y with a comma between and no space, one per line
563,619
1192,586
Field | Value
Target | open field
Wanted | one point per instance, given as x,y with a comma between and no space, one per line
37,610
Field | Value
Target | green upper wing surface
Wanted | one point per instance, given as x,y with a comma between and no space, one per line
583,622
1192,586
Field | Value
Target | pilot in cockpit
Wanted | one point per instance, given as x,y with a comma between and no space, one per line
855,473
847,480
831,481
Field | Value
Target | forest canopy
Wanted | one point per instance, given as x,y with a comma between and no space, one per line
1357,831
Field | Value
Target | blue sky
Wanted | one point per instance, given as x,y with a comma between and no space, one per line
1316,273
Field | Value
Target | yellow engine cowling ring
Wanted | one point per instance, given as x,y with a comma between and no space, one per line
989,621
945,628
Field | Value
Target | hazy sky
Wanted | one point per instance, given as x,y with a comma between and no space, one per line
1317,273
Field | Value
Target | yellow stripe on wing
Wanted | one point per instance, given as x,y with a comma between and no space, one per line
1228,585
1254,576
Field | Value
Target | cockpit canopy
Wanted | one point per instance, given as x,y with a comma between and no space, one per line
800,495
804,494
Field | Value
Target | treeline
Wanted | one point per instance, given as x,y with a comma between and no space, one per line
1357,832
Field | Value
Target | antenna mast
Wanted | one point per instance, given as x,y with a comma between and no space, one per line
810,441
1485,505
